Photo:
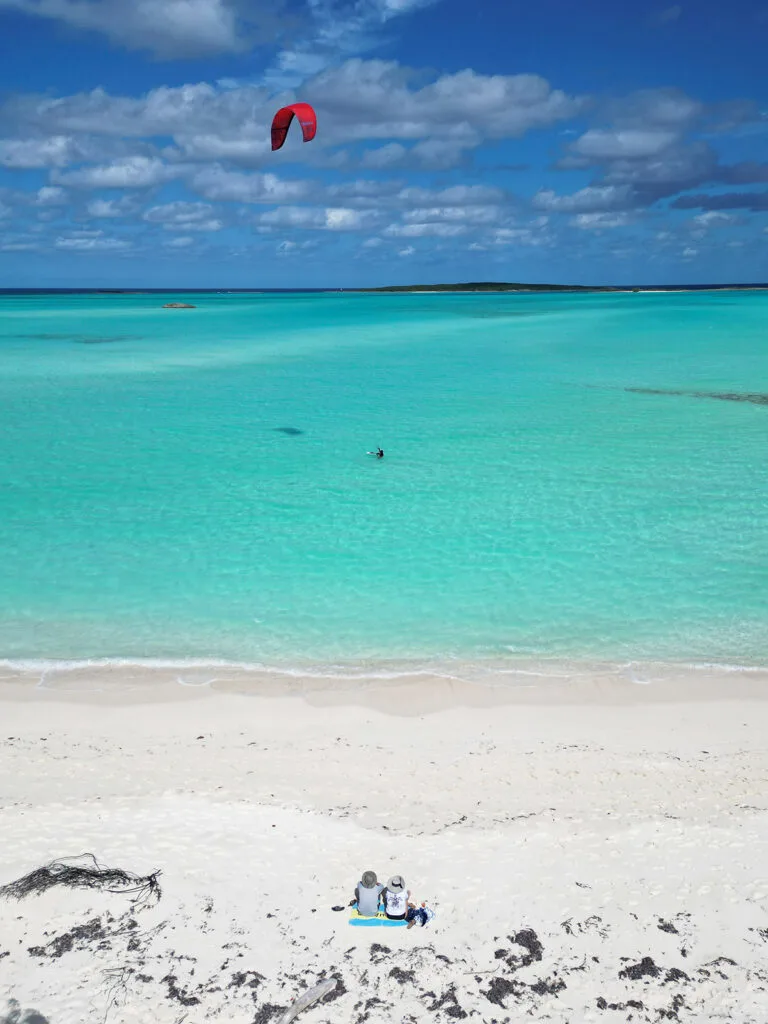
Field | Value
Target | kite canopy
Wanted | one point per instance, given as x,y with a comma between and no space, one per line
282,122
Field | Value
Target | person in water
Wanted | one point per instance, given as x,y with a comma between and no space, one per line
367,894
379,453
395,898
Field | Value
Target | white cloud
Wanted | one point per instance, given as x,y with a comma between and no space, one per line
384,156
54,151
50,196
167,28
374,243
324,219
408,251
600,221
688,252
373,99
331,29
127,172
183,216
455,195
90,241
519,236
290,248
107,208
659,108
452,214
436,230
178,213
714,218
182,242
629,143
250,147
359,100
594,198
218,184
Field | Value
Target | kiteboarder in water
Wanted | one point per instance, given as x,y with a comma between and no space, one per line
379,453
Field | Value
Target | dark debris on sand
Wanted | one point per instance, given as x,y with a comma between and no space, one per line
84,872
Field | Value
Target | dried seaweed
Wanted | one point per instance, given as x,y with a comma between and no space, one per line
84,872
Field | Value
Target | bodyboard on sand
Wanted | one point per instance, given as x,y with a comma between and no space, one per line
380,921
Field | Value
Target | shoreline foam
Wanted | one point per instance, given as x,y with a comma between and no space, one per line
423,684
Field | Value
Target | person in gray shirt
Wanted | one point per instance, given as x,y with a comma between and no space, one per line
367,894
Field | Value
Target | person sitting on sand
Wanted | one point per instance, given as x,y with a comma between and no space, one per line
395,898
367,893
418,915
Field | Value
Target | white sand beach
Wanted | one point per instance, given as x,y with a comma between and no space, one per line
593,850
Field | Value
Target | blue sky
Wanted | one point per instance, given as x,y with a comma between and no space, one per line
588,143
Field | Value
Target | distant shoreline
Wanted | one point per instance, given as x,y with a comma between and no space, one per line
473,287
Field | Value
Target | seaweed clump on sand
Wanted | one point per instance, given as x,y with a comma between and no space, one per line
83,872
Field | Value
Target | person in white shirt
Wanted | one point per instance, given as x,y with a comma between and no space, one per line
395,898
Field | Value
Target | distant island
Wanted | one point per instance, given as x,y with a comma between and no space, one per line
505,286
178,305
492,286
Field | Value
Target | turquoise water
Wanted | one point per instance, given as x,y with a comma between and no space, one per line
151,506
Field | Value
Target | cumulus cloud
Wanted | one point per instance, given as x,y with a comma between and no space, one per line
373,99
128,172
183,216
408,251
181,242
107,208
314,218
464,214
167,28
332,29
520,236
391,155
713,218
434,229
647,154
51,196
593,199
600,221
359,100
291,248
628,143
220,185
23,154
90,241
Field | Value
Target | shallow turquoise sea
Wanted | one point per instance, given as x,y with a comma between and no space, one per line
153,505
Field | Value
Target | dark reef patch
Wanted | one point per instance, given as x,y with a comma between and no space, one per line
752,397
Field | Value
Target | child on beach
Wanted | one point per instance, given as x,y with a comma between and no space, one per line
418,915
